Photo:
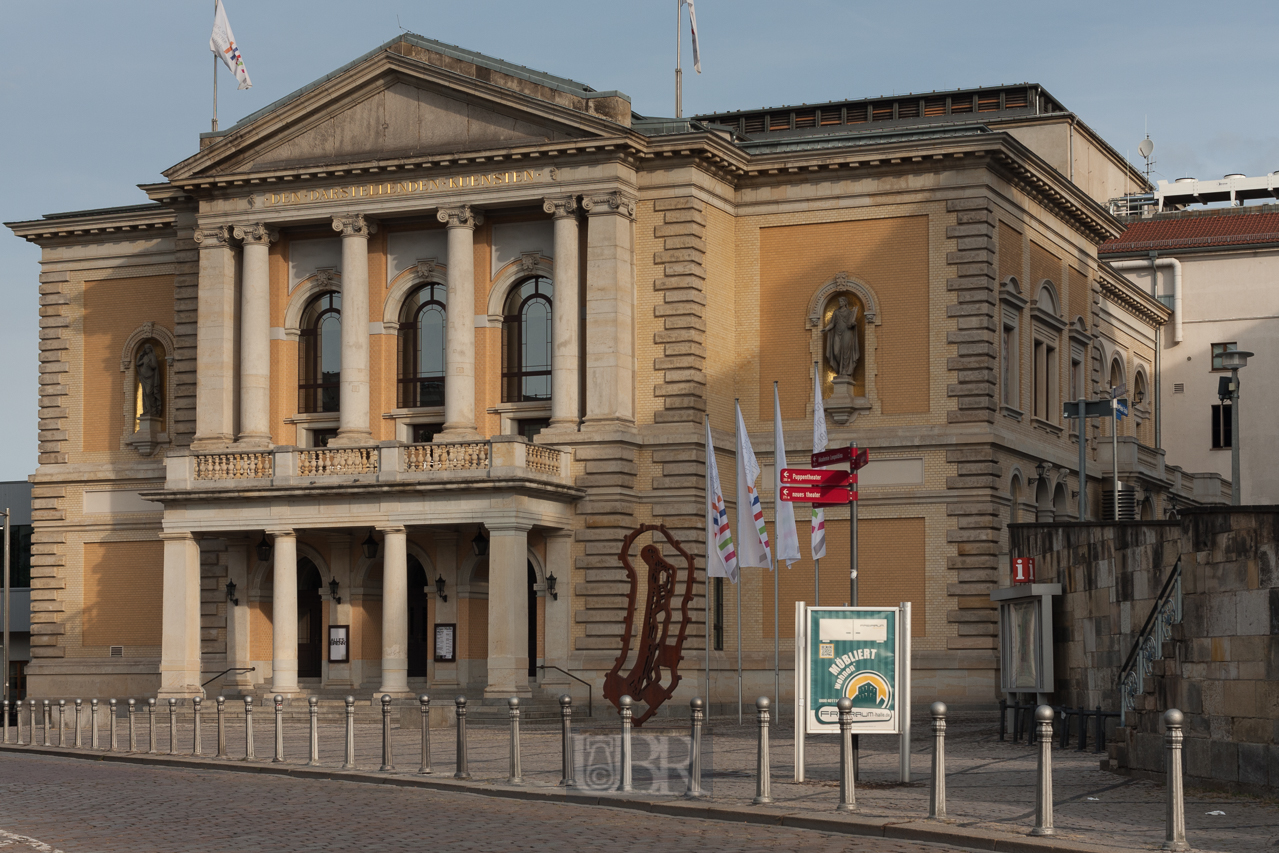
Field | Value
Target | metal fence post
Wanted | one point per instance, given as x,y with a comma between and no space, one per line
763,771
248,729
313,712
695,749
463,767
111,718
388,759
937,791
424,702
93,724
151,725
197,734
349,763
173,727
221,727
847,792
44,723
1175,836
279,729
133,734
78,742
1044,779
626,714
567,769
62,722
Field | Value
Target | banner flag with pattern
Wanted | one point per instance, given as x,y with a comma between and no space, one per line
752,548
721,562
819,444
784,511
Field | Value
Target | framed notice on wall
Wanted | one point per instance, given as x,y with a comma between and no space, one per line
445,635
339,644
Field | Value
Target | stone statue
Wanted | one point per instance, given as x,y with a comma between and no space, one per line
148,369
842,349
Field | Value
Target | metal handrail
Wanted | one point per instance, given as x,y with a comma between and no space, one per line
1157,628
590,703
226,671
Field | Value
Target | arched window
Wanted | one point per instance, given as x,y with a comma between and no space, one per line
526,342
421,343
320,354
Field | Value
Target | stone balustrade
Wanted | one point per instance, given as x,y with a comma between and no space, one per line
456,456
327,462
233,466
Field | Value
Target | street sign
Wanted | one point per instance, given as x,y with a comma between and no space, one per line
817,477
1121,409
818,494
1092,409
832,457
1023,569
860,460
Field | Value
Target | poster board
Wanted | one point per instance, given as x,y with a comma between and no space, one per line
862,653
339,644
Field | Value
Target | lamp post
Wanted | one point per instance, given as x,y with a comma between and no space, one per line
5,697
1235,361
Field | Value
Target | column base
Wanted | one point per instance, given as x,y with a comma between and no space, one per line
211,442
464,432
253,442
560,429
352,438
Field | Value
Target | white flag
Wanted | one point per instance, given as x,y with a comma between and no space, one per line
783,511
721,557
222,43
697,53
752,535
819,444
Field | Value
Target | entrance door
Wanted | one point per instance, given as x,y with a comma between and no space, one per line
419,626
310,619
532,621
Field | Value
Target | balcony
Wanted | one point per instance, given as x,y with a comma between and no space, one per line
1143,466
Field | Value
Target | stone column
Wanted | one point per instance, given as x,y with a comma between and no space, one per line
255,335
215,341
459,352
445,674
395,611
564,360
610,310
559,562
353,417
180,619
237,621
508,610
284,613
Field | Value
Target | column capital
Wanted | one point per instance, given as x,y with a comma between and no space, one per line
391,528
256,233
558,534
280,532
614,202
354,225
560,207
460,217
177,535
217,237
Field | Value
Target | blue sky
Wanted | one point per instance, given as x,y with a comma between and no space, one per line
98,97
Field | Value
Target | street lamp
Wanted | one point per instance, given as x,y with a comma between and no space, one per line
7,513
1234,361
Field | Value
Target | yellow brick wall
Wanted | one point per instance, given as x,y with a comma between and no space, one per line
1011,253
123,593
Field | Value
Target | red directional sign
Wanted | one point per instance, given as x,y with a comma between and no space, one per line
816,477
860,459
840,454
818,494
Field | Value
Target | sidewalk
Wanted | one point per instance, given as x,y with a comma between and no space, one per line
990,784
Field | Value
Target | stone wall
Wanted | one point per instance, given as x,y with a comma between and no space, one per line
1222,665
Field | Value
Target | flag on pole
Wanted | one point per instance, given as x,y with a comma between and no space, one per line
819,444
784,511
222,43
722,561
752,548
697,53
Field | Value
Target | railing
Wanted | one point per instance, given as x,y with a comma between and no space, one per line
323,462
1165,613
543,460
590,702
227,671
449,456
234,466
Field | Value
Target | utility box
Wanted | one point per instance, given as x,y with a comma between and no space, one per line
1026,637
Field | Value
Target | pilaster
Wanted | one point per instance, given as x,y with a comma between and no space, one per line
564,357
255,336
610,310
459,355
353,417
215,341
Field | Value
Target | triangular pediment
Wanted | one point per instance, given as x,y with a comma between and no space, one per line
390,106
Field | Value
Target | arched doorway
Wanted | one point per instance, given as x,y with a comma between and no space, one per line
419,627
532,620
310,619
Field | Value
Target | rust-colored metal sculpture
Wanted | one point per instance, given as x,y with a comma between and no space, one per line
656,658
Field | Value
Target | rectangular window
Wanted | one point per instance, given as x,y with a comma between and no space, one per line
426,433
1220,349
1222,433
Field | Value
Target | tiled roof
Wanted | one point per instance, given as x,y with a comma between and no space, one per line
1200,230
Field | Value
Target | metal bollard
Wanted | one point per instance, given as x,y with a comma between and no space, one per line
279,729
515,776
33,705
133,734
248,729
566,742
425,702
173,726
93,724
695,750
937,791
111,717
44,723
221,727
151,749
463,768
17,721
763,772
847,784
313,710
1175,836
78,742
625,712
388,760
197,748
62,722
6,720
1044,779
349,763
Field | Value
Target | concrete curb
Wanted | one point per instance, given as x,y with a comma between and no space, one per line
920,830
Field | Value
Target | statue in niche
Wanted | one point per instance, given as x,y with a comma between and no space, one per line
148,370
842,349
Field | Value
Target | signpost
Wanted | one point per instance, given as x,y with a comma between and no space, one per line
1084,409
817,477
818,494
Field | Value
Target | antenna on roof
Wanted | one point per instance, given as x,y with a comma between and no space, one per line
1145,149
398,24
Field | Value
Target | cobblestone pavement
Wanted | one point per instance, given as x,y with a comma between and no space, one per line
990,784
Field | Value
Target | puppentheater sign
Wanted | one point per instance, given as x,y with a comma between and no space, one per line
415,186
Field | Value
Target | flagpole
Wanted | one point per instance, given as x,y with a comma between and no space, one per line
215,78
709,543
741,576
777,629
679,50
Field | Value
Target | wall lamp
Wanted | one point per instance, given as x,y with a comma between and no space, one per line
264,549
480,543
1041,471
369,545
439,588
230,593
333,591
550,587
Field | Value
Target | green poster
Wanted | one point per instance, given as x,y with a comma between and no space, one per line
853,653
